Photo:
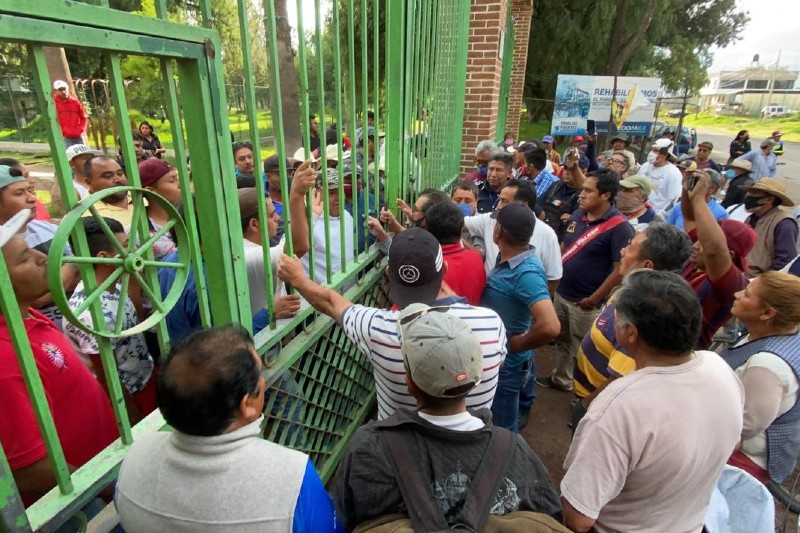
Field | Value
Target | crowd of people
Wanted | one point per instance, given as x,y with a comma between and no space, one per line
629,271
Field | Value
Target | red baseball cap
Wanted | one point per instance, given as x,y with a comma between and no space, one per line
577,138
776,132
151,170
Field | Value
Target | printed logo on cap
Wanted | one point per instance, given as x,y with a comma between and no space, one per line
408,273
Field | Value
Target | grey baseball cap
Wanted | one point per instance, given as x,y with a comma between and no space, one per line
441,352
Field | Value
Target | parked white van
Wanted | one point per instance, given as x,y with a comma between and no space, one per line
775,111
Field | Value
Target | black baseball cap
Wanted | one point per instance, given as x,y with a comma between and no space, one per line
272,164
415,267
517,221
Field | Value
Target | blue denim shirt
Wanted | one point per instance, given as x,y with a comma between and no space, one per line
512,288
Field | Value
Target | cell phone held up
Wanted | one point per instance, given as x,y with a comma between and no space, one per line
691,180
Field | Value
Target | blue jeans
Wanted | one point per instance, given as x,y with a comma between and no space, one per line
510,383
528,394
72,142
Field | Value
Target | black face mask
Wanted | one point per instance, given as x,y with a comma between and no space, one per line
752,203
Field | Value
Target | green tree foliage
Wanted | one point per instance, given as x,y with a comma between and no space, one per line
607,37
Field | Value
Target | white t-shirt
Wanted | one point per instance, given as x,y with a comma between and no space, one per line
256,280
756,447
651,448
543,240
667,185
374,331
336,249
460,422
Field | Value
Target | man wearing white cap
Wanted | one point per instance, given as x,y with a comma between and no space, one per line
664,176
70,112
425,463
78,155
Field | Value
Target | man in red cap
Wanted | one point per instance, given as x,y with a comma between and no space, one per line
778,148
716,268
157,176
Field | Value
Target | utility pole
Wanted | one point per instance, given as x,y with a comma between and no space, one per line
772,81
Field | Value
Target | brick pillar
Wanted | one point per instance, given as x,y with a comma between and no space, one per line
484,68
522,11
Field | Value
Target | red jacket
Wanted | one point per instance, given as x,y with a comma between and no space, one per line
71,116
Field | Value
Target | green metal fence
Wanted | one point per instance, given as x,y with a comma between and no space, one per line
505,78
410,74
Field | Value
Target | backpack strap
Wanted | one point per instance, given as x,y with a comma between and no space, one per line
417,495
488,477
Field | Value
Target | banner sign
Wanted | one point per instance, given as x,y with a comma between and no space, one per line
582,98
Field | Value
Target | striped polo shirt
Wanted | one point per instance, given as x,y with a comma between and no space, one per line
374,331
599,356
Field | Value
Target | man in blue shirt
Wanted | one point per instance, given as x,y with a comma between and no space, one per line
500,166
763,160
544,179
676,215
517,291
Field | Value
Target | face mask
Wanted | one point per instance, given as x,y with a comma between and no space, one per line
751,203
627,203
465,209
483,170
651,157
600,165
730,173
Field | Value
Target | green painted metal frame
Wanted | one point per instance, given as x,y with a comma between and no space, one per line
326,383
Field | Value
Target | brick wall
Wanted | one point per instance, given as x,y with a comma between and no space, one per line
522,11
484,68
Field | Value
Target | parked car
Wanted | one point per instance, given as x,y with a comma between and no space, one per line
688,139
775,111
677,113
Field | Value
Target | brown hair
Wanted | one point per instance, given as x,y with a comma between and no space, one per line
781,291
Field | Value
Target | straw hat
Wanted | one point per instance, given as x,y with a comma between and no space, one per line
742,164
772,187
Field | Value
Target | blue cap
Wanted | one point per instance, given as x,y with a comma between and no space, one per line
547,139
6,178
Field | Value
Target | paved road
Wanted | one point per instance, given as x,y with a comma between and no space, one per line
788,163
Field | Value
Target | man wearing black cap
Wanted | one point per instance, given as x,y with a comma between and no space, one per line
415,271
272,175
517,290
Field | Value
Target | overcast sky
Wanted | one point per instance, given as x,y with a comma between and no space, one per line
774,26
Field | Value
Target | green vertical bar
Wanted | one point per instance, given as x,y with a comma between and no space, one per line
305,126
215,190
337,80
395,56
12,510
176,125
417,54
408,182
206,15
351,61
322,129
376,95
458,85
364,119
252,119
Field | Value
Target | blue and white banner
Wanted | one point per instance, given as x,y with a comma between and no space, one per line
582,98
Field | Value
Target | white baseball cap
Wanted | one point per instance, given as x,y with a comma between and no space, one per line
80,149
13,226
60,84
663,143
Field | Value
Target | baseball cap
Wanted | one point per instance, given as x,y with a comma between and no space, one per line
740,239
272,164
6,178
578,138
768,142
349,169
60,84
248,203
663,143
331,175
518,221
688,164
151,170
776,132
80,149
633,182
13,225
440,351
415,267
332,153
547,139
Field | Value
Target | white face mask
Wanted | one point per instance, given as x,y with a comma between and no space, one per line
651,157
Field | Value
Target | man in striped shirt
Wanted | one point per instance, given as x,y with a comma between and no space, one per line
416,269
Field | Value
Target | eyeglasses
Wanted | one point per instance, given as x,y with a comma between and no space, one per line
411,317
620,161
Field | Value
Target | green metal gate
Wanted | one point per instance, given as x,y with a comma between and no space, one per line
412,76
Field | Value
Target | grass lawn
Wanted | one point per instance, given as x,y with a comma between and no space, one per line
42,160
529,131
758,128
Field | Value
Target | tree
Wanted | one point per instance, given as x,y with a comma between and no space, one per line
290,93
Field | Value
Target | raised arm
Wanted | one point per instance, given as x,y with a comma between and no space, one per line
709,233
303,181
323,299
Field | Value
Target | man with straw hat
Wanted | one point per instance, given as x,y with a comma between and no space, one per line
775,227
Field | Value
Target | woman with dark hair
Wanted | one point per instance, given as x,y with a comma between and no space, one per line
740,145
767,362
150,140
